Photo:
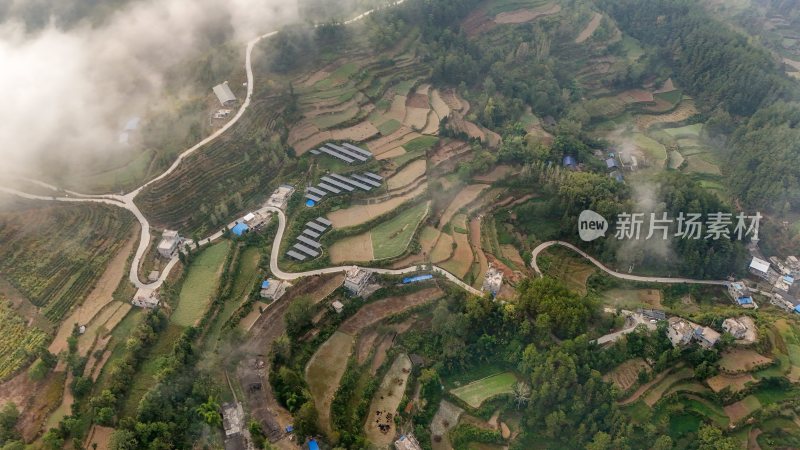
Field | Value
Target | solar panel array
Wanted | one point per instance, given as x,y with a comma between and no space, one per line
307,244
349,153
335,184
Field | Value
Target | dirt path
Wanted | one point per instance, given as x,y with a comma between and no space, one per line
98,298
590,28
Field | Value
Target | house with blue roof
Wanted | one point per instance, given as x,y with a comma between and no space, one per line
312,445
240,229
273,289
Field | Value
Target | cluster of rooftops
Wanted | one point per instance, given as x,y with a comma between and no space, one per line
307,244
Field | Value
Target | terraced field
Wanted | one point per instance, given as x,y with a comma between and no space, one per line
200,284
18,341
54,254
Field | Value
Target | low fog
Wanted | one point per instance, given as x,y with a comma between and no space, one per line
69,92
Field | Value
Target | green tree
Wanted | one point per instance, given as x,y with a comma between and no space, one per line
298,315
209,412
9,416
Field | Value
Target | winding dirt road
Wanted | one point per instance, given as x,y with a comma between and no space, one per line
613,273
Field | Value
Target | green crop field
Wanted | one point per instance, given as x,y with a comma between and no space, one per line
652,148
689,131
338,76
18,341
476,392
391,238
57,253
200,284
389,127
243,282
421,143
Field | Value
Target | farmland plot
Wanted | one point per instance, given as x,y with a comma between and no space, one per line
200,284
324,371
475,393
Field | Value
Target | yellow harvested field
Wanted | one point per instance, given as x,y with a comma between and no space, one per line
353,248
461,261
590,28
428,238
735,382
463,198
526,15
439,106
102,324
385,402
443,249
498,173
398,109
742,360
358,132
394,153
302,130
453,101
512,254
625,375
324,371
432,126
685,110
394,143
356,215
416,118
408,174
98,298
475,240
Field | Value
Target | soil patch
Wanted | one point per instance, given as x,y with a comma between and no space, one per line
526,15
324,371
381,309
98,298
735,382
498,173
408,174
356,215
590,28
742,360
464,197
741,409
352,248
380,425
625,375
99,438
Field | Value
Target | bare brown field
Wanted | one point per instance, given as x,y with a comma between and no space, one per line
464,197
99,297
512,254
590,28
250,319
366,340
385,402
742,360
499,172
439,106
741,409
323,372
685,110
408,174
102,324
381,309
99,438
393,153
526,15
449,150
416,118
625,375
301,131
381,151
322,291
735,382
34,409
398,109
356,215
352,248
357,133
446,418
461,261
431,124
386,342
443,248
452,100
417,100
475,239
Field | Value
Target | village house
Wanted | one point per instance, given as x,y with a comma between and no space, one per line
682,332
170,240
783,300
273,289
356,280
760,268
492,281
224,94
741,328
280,197
145,298
741,295
407,442
337,306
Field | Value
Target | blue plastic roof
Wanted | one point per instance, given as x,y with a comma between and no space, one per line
239,229
797,309
289,428
310,203
788,278
417,278
312,445
745,300
569,161
264,284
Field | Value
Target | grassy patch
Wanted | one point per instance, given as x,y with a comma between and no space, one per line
671,97
17,340
242,284
408,156
476,392
200,284
651,148
391,238
421,143
331,120
689,131
389,127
